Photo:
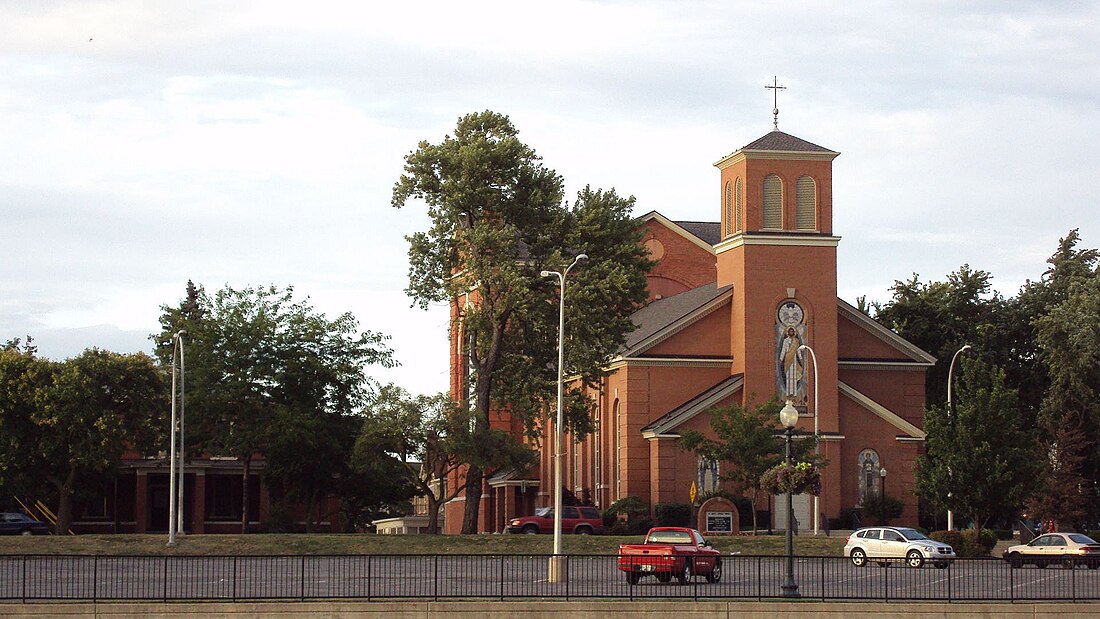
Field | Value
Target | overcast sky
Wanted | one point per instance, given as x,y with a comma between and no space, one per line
146,143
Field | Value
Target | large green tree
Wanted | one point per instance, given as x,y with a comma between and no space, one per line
940,317
1069,341
980,461
498,220
261,366
69,422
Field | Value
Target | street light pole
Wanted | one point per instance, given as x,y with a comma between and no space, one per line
882,495
557,562
183,455
817,446
176,345
789,417
951,418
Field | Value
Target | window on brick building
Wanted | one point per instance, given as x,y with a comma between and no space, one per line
773,202
738,205
868,461
727,202
708,475
805,204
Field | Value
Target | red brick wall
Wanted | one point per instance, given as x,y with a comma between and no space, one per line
681,262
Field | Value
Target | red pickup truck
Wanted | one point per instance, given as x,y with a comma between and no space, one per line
669,552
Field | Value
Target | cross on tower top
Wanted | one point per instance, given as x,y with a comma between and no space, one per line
775,88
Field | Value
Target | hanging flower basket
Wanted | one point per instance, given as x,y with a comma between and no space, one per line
800,478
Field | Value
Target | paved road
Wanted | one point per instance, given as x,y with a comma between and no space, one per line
308,577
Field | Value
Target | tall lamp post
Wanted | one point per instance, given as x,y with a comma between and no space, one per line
951,418
789,417
817,447
173,518
882,495
557,562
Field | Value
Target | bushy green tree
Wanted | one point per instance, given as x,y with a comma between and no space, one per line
69,422
940,317
980,462
498,219
263,369
748,440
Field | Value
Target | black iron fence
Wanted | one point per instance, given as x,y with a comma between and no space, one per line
176,578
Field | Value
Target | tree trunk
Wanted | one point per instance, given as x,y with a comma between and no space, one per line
473,499
65,503
246,471
433,514
312,512
483,403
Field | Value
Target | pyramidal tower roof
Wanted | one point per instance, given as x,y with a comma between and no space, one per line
778,141
778,145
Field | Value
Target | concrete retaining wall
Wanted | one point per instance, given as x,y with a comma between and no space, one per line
538,609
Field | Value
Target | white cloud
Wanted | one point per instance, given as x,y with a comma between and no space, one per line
257,142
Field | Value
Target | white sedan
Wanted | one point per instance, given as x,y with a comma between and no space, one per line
1069,549
883,544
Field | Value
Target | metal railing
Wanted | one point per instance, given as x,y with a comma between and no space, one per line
370,577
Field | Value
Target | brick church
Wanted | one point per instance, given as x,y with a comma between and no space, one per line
730,303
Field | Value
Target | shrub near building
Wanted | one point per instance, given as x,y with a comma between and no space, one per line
967,543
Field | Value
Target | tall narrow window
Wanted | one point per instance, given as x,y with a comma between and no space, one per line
708,475
727,202
773,202
738,206
868,475
597,479
618,452
806,204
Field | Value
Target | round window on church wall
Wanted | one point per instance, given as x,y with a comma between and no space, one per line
655,248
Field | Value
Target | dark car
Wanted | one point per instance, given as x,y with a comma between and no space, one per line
16,523
580,520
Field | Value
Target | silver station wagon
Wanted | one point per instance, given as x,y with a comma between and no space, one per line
884,544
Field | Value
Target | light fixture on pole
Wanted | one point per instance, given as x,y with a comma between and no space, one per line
183,455
557,562
177,345
882,494
789,417
951,421
817,447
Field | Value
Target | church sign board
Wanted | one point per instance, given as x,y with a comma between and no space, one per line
718,516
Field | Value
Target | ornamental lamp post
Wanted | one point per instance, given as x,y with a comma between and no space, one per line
882,495
951,421
817,446
789,417
557,562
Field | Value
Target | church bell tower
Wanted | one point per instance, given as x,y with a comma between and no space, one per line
779,253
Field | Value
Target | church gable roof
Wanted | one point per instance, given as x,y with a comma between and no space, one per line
909,351
778,141
706,400
708,231
664,318
887,415
695,231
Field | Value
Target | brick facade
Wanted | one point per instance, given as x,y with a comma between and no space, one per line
725,348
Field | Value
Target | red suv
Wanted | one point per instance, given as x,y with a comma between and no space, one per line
579,520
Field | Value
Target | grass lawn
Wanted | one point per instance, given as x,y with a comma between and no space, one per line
317,544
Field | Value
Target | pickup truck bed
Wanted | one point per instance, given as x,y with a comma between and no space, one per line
670,552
